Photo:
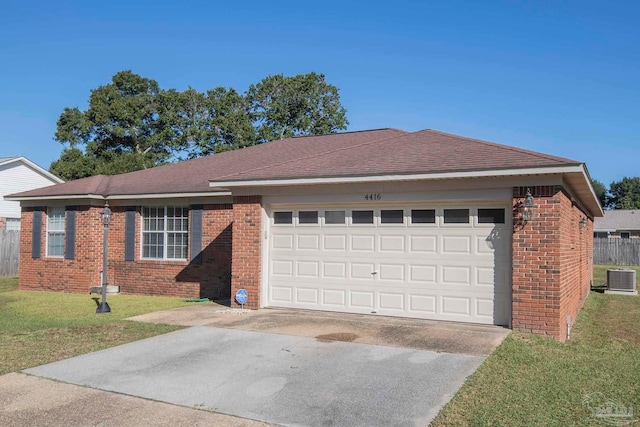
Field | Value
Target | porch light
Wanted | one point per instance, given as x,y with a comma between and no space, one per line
105,215
583,222
527,207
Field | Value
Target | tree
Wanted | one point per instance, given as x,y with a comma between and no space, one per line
601,192
201,124
118,130
625,194
305,104
132,123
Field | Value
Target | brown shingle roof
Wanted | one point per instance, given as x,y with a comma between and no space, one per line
373,152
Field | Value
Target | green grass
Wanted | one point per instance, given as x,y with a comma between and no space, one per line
43,327
531,381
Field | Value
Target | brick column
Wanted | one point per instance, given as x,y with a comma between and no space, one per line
247,249
537,263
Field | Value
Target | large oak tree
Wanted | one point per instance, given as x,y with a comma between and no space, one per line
131,123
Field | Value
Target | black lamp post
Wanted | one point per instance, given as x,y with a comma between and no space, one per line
103,307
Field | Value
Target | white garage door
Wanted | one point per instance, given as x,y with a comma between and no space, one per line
445,263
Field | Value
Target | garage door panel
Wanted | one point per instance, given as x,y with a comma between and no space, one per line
423,273
393,244
308,268
282,268
457,272
361,299
423,244
363,243
391,301
307,295
456,245
392,272
452,305
362,271
336,270
456,275
308,242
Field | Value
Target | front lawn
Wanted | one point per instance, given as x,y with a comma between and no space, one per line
43,327
531,381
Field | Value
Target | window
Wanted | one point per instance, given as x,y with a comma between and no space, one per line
165,232
362,217
423,216
283,217
490,216
334,217
55,232
625,235
13,224
308,217
395,216
456,216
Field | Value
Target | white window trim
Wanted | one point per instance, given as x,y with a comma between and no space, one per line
165,232
49,209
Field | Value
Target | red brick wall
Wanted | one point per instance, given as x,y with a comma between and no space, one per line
58,274
552,263
209,278
247,248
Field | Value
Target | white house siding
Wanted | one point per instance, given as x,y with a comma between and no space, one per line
16,177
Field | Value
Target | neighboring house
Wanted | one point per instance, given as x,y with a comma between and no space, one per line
621,223
19,174
386,222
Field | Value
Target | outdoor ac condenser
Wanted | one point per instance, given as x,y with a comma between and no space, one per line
621,280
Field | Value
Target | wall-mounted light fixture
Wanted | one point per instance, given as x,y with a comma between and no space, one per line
527,207
583,222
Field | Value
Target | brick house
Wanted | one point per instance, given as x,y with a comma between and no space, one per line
384,222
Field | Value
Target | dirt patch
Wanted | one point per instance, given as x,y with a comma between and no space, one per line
338,336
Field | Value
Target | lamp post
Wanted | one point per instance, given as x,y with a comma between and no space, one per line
103,307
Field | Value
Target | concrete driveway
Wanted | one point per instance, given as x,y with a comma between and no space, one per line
281,378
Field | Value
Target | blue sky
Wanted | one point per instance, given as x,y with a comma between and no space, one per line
551,76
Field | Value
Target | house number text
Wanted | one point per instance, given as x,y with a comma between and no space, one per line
375,196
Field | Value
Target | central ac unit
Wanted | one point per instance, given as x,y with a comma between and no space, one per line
622,280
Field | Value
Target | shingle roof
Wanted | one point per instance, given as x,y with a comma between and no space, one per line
618,220
363,153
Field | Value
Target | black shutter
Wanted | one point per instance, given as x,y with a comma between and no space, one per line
130,233
195,249
36,233
70,233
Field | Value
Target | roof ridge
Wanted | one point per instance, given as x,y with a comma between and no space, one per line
344,133
335,150
508,147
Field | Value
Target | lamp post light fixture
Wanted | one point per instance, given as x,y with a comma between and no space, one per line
103,307
527,207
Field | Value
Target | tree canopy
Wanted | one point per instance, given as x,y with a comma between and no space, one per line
625,194
132,124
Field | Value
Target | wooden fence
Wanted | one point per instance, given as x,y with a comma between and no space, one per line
9,252
616,251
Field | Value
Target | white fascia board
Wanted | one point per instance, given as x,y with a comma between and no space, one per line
413,177
166,195
62,197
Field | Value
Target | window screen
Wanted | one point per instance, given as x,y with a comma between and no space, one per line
491,216
423,216
456,216
362,217
395,216
55,232
283,217
308,217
